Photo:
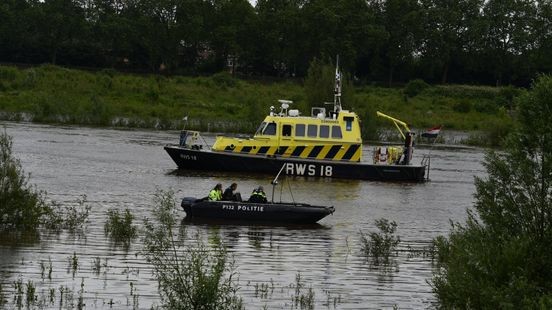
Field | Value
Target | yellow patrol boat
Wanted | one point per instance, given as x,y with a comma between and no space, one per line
327,143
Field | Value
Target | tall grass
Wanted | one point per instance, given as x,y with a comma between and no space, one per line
222,103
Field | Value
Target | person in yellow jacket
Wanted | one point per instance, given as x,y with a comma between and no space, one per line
216,193
258,195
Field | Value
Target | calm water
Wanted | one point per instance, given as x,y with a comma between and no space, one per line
123,169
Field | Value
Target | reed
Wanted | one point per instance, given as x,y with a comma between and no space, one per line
3,300
303,297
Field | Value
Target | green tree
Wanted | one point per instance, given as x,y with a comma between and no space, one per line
501,258
402,23
279,37
229,30
320,82
507,37
60,25
451,29
540,54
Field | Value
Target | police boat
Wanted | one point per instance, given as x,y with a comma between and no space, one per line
267,212
327,143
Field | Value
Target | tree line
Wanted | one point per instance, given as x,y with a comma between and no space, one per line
385,41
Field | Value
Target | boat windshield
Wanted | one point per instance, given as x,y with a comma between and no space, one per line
260,129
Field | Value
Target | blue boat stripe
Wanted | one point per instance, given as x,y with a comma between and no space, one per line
315,151
351,151
333,151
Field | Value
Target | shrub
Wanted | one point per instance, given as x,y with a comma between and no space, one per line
415,87
501,257
21,206
380,245
224,80
463,106
24,208
9,74
506,96
69,216
119,226
191,276
484,106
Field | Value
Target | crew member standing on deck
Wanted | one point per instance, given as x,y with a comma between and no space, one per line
230,193
216,193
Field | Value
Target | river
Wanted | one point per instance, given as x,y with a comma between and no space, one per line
124,168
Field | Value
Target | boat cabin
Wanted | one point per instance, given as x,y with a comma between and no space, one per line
324,135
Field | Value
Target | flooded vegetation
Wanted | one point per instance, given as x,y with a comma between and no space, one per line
323,266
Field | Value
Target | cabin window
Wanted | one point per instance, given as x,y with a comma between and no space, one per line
336,132
286,130
260,129
312,131
300,130
270,129
324,131
348,123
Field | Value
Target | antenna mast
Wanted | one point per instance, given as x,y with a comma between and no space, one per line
337,88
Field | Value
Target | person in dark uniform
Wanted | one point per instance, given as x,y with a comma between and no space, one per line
230,193
258,195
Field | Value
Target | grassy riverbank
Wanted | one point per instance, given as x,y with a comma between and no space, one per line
51,94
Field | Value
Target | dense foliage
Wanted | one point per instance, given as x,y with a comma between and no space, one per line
119,226
496,41
379,246
501,258
21,205
191,275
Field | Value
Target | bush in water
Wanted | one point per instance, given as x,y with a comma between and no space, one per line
191,276
380,245
119,226
21,206
24,208
501,257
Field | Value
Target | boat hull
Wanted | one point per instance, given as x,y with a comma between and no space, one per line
192,159
292,213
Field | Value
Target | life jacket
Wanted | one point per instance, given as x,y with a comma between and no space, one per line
258,196
215,195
